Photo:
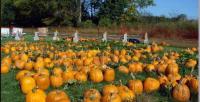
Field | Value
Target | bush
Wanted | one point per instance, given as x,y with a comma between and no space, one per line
87,24
105,22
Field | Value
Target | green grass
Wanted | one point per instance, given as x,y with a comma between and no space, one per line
10,89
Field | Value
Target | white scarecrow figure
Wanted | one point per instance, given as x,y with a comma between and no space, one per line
75,38
17,36
125,38
146,40
35,38
56,36
104,37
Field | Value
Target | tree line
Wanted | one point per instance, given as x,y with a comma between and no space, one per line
77,13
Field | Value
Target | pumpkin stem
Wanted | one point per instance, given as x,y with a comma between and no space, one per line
132,76
120,81
192,70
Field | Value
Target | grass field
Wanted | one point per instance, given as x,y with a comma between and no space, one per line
10,88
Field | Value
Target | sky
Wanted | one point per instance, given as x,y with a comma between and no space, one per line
172,8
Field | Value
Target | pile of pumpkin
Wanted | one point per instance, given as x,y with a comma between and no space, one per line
42,66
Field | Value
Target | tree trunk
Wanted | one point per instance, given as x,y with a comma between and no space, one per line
80,11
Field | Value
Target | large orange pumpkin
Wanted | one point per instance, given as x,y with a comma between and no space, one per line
193,84
136,86
181,93
110,89
123,69
81,77
43,82
92,95
57,96
5,68
96,75
56,81
125,93
151,84
36,95
111,98
27,84
109,74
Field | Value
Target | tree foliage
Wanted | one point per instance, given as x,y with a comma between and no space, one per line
73,12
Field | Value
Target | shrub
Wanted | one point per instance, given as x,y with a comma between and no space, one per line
87,24
105,22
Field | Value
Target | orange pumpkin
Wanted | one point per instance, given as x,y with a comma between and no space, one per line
81,77
57,96
68,75
92,95
36,95
151,84
181,93
110,89
111,98
163,79
123,69
6,60
43,71
5,68
20,64
57,71
136,86
172,68
29,65
56,81
150,67
21,74
27,83
161,67
96,75
109,74
193,84
125,93
43,82
38,65
135,67
115,59
191,63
